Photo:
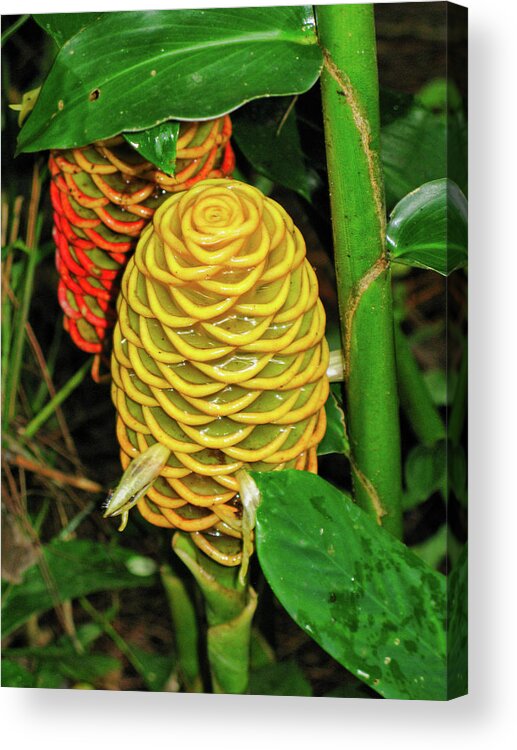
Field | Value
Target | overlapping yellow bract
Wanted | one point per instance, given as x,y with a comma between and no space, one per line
219,354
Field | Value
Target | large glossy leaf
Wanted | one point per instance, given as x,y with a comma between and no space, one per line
68,570
63,26
428,228
132,70
360,593
457,603
266,131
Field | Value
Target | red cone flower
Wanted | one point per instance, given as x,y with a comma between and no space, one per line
103,195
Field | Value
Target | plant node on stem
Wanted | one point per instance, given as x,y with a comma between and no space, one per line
352,133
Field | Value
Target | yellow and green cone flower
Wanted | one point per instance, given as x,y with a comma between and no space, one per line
219,356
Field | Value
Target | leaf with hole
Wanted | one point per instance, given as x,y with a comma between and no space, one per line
130,71
359,592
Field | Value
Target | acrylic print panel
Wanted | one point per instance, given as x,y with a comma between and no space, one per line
234,351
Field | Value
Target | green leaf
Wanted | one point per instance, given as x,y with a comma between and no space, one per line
423,142
282,678
48,678
442,385
333,335
434,549
63,26
157,145
457,472
133,70
228,646
360,593
69,569
428,228
261,653
266,131
64,661
393,105
440,95
355,689
185,626
14,675
457,646
155,669
425,473
335,439
86,667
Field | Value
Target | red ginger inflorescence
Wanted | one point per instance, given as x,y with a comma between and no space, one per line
103,196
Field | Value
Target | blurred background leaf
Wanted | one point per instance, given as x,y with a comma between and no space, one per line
68,570
426,141
266,132
281,678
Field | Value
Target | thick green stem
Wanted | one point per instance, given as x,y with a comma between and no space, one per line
352,131
414,395
230,606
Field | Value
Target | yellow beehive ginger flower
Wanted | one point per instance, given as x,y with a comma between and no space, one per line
219,355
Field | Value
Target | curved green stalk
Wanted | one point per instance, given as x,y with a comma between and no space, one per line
230,606
352,131
415,398
185,624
